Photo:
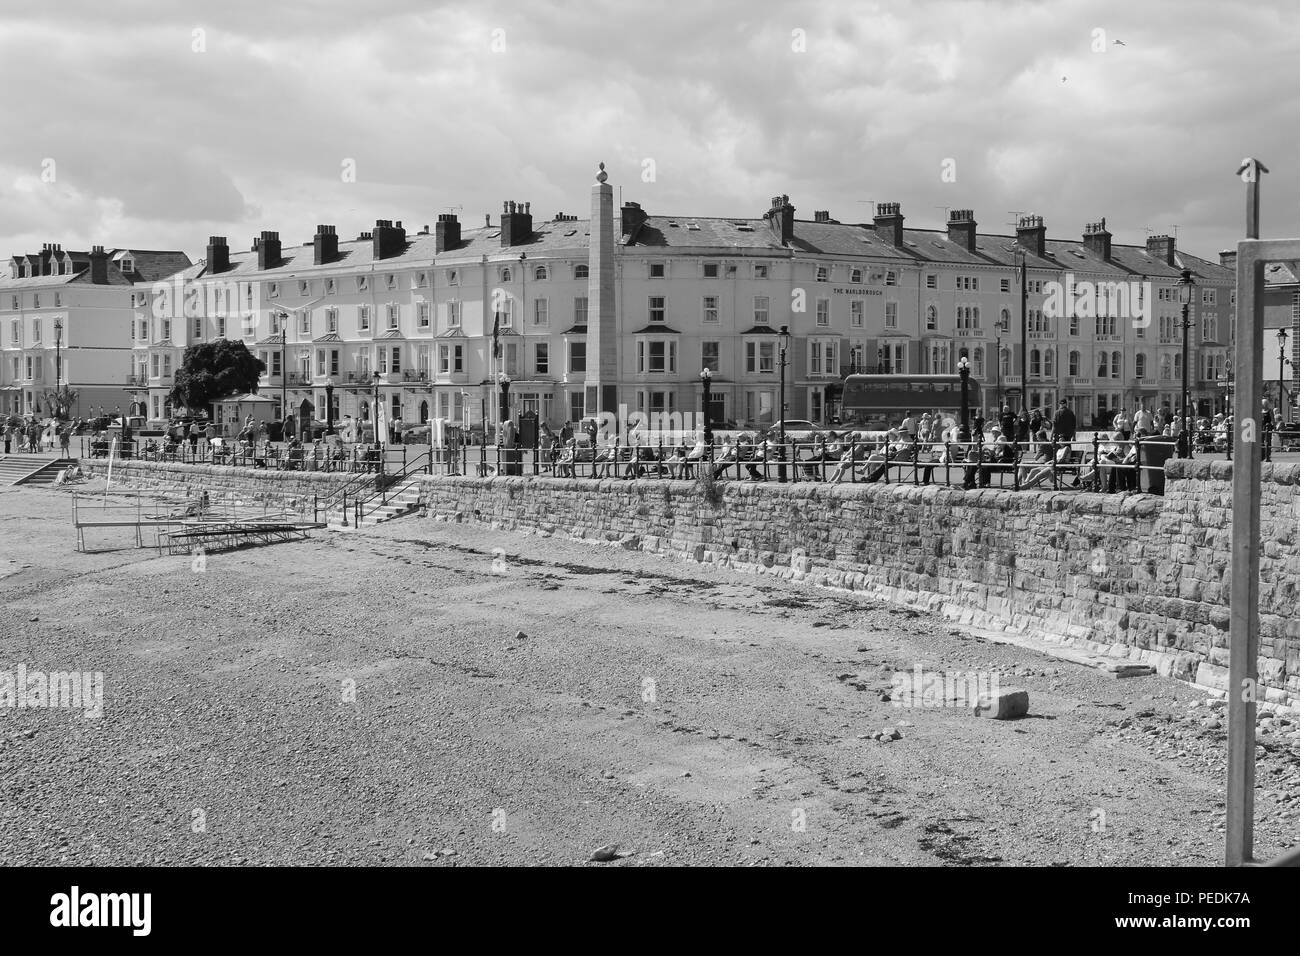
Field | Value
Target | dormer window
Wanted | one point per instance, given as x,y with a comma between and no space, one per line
127,264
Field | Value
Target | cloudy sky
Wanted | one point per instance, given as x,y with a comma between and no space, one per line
155,124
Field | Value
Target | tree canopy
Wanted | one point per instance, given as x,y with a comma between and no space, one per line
213,370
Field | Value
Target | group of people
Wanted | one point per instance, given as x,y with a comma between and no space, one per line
32,436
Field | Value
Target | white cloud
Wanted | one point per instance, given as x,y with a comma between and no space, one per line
170,145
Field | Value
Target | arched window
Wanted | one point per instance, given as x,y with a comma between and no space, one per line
1178,366
1116,364
931,317
539,273
855,276
1140,365
1035,362
979,361
580,271
1049,362
1164,368
1005,362
1074,364
1103,363
505,274
1005,318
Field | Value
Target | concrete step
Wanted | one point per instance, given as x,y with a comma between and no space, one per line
48,474
19,469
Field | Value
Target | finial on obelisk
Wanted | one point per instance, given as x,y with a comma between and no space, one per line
602,175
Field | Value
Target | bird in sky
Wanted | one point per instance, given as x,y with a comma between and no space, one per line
1120,43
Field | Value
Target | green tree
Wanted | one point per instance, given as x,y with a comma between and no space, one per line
213,370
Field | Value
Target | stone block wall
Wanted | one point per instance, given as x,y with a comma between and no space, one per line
295,489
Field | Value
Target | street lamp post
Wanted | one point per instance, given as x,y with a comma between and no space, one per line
785,338
706,377
284,368
1001,329
1281,374
374,418
963,369
58,367
1186,287
1023,264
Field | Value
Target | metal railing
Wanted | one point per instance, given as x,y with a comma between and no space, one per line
1108,467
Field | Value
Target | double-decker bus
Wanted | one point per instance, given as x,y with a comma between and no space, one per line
880,402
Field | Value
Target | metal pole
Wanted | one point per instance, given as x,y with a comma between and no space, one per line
1244,609
1184,437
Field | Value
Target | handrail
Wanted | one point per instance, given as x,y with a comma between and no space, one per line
389,481
1091,465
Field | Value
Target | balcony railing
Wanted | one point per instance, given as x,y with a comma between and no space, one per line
414,375
864,370
137,381
299,378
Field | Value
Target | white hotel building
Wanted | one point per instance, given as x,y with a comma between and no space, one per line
65,322
628,314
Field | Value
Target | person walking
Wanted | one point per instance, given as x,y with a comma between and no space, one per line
65,439
194,437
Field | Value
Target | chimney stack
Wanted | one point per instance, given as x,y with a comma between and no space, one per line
1228,258
218,254
447,232
1031,235
1161,248
325,246
823,215
388,239
889,223
633,219
962,227
516,223
98,265
268,251
780,219
1097,240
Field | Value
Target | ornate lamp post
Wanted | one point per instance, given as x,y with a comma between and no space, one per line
1023,265
1000,328
58,367
784,333
1282,372
1186,289
706,377
963,369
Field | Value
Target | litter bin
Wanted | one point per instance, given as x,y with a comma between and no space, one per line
1155,452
